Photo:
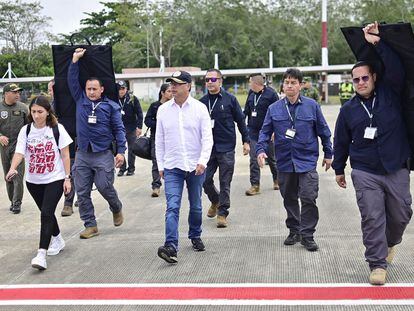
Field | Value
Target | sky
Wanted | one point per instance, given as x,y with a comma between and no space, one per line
65,15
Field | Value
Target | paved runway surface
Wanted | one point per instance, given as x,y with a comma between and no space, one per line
244,267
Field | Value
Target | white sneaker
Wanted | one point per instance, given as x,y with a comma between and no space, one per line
39,262
56,245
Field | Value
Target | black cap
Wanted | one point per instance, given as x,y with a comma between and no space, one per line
121,83
180,77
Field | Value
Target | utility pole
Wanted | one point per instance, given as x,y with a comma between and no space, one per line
324,44
162,60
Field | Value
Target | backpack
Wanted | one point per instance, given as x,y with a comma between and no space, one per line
55,130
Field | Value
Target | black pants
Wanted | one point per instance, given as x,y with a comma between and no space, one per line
304,186
224,161
131,137
47,197
156,178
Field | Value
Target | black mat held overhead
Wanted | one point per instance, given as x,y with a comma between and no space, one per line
97,62
400,38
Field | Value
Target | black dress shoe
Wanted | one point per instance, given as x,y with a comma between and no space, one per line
121,173
292,239
309,244
130,173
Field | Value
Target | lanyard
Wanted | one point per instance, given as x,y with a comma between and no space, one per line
370,115
256,102
210,109
122,103
290,116
94,107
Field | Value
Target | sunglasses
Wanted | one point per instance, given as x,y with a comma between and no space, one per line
212,79
363,78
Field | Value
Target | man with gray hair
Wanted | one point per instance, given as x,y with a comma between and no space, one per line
259,99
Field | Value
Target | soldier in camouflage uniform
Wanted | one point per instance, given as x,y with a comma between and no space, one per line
13,115
308,90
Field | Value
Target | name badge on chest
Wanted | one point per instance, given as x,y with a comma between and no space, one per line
290,133
370,132
92,119
254,114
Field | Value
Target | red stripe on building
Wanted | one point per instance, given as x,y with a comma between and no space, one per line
208,293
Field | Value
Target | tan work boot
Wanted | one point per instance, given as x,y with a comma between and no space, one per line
155,192
89,232
221,221
276,185
377,276
67,211
212,211
253,190
118,218
391,254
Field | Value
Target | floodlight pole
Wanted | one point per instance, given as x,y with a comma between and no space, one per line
324,44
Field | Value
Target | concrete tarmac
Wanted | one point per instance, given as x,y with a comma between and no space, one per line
250,250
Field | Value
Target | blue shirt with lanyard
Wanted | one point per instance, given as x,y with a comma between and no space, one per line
224,112
98,123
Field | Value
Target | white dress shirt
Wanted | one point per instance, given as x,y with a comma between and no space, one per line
184,136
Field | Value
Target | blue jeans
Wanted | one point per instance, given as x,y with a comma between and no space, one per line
174,184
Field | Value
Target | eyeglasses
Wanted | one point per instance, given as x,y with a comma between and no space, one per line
363,78
212,79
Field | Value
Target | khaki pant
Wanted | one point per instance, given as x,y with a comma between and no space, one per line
15,187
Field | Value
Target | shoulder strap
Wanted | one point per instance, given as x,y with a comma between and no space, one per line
56,134
29,125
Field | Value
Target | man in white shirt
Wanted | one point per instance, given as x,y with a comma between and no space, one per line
183,144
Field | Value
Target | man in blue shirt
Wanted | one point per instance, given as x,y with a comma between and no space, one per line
296,122
259,99
99,123
224,110
370,130
132,118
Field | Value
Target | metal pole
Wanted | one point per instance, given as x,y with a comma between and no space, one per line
216,64
324,44
270,59
9,70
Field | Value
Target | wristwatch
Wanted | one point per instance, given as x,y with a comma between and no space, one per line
68,176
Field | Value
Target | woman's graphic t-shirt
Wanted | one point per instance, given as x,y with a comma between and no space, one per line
43,162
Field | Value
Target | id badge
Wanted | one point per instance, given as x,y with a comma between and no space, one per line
254,114
122,112
92,119
212,123
370,132
290,133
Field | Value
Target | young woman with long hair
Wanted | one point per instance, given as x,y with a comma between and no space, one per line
44,146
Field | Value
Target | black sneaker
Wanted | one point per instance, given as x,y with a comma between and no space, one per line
309,244
121,173
16,208
130,173
292,239
168,253
198,245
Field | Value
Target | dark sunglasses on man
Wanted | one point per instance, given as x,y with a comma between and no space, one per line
212,79
363,78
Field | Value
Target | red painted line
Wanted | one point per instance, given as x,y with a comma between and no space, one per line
214,293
